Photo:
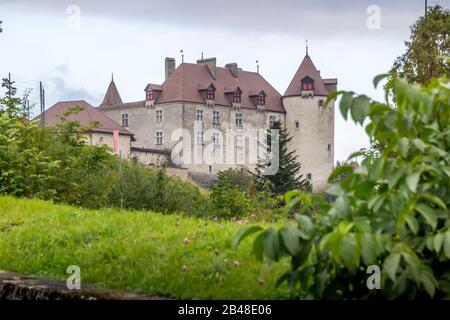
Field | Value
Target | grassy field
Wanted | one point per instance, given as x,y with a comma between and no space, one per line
145,252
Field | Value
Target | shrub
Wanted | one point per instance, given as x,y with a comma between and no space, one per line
228,198
234,195
56,164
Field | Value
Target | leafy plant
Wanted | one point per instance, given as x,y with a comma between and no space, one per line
391,211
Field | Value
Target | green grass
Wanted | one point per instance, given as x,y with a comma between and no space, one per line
138,251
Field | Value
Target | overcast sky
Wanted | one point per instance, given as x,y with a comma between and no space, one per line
75,55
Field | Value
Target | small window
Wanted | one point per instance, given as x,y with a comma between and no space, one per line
159,137
272,120
236,97
159,116
216,139
309,176
100,140
199,137
261,100
199,115
210,95
149,95
297,124
239,119
216,117
320,105
210,169
307,86
329,147
125,120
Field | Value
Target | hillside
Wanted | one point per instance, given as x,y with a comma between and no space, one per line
144,252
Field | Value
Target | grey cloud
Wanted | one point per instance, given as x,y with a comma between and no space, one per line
306,18
57,88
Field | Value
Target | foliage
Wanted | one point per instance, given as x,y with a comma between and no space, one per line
429,42
228,198
128,250
392,211
234,196
287,176
10,104
24,169
56,163
341,171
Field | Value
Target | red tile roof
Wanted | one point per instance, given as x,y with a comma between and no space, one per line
183,85
87,116
307,68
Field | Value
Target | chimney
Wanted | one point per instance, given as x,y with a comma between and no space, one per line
211,64
170,66
233,67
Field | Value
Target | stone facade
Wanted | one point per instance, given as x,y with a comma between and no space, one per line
104,138
312,130
196,106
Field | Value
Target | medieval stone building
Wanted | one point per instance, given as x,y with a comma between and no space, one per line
203,107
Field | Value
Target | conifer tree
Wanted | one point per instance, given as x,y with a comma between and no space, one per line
287,177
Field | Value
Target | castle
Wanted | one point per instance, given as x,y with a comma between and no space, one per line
203,109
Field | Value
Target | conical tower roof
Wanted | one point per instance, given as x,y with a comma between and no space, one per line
306,69
112,96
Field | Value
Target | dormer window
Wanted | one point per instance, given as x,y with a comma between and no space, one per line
234,96
152,92
261,101
207,91
307,84
237,97
210,94
149,95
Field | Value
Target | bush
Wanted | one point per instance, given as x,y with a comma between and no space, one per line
228,198
55,164
391,212
137,187
234,195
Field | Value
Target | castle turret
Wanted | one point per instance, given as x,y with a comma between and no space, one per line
112,96
310,123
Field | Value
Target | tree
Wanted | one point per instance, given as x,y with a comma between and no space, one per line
287,177
392,212
12,105
429,42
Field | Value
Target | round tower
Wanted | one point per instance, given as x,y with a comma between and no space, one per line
310,122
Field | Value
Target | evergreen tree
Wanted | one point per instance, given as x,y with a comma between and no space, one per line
429,43
287,177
